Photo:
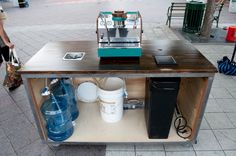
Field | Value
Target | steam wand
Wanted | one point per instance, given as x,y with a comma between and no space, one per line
105,22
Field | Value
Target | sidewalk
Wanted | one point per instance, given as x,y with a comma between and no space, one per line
48,20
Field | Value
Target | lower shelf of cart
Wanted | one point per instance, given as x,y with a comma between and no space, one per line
90,128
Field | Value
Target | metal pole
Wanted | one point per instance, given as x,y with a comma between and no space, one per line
232,59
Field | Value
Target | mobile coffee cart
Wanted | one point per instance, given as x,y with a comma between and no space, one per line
196,75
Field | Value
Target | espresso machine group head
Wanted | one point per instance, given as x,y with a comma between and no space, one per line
119,34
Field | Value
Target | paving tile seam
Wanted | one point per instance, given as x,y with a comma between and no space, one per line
10,118
225,97
207,150
221,129
31,122
135,149
225,113
224,153
14,150
212,130
228,116
218,140
178,151
234,150
22,111
19,148
34,141
220,112
117,149
149,149
230,93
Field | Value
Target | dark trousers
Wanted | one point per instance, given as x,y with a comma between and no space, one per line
4,53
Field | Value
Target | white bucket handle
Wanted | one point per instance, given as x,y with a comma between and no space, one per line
105,102
125,89
103,80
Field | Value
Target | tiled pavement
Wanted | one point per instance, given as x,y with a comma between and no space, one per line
18,135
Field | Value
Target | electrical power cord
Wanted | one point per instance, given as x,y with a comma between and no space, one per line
180,123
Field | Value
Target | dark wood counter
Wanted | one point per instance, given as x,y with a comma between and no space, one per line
195,71
49,59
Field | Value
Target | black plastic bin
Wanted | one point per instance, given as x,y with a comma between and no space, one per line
193,17
161,96
23,3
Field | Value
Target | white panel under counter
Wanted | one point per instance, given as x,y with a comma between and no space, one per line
90,128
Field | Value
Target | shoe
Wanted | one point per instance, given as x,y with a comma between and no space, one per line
13,88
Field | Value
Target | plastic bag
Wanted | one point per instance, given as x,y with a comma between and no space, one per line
13,78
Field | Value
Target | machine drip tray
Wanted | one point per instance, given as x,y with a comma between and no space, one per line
119,60
165,60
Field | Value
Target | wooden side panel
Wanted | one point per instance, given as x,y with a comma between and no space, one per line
136,87
190,99
35,86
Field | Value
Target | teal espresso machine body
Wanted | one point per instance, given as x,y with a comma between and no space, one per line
119,34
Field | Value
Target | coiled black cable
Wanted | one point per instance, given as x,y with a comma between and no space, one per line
181,126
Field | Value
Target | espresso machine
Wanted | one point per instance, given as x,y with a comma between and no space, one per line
119,34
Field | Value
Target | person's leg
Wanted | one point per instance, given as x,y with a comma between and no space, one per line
5,53
1,60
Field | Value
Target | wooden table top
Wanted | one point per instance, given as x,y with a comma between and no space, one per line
49,59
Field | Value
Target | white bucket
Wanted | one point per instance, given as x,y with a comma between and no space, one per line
111,93
87,92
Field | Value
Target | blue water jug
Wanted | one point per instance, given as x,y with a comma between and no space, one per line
71,91
58,118
65,89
